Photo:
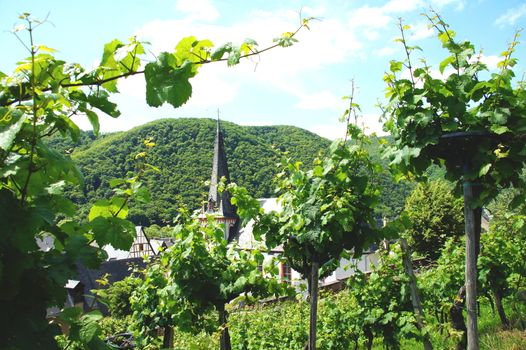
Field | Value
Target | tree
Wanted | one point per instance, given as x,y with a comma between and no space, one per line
200,274
435,215
38,100
468,121
325,212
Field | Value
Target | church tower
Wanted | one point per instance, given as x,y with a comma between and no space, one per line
219,204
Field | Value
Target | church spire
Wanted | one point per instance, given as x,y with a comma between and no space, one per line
220,202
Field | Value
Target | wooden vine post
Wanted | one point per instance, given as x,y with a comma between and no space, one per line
471,267
465,144
314,304
415,296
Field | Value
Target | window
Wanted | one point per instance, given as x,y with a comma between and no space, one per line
285,272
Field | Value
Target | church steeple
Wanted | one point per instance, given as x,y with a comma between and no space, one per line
219,203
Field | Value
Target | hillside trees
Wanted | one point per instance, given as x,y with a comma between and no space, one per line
38,100
183,152
470,124
435,214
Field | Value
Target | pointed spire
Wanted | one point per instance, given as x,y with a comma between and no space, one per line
218,123
217,201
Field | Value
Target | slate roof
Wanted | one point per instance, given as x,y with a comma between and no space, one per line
117,270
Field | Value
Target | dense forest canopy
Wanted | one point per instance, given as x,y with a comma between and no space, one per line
183,152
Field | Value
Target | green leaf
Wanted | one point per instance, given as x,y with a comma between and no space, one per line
484,170
94,121
285,40
234,57
143,195
116,182
248,46
499,129
117,232
88,331
105,208
100,208
100,100
154,168
8,132
221,50
166,83
445,63
109,66
71,314
92,316
395,66
192,50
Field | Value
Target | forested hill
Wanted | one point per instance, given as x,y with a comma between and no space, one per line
183,152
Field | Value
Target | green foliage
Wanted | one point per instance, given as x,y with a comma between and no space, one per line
440,284
422,109
83,332
435,215
325,210
37,101
500,266
383,301
111,325
116,296
199,274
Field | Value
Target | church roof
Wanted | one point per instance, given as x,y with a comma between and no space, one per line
221,201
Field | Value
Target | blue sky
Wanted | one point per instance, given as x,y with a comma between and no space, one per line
301,85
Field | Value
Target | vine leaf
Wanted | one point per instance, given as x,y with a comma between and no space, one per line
8,133
117,232
165,82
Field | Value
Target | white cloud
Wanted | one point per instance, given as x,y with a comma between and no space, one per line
490,61
197,9
320,100
369,17
511,16
420,31
329,42
370,20
371,124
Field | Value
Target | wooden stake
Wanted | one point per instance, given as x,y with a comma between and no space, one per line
471,267
415,296
313,305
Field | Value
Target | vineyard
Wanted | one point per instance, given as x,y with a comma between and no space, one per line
442,280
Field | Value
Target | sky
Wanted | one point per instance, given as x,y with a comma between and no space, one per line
303,85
